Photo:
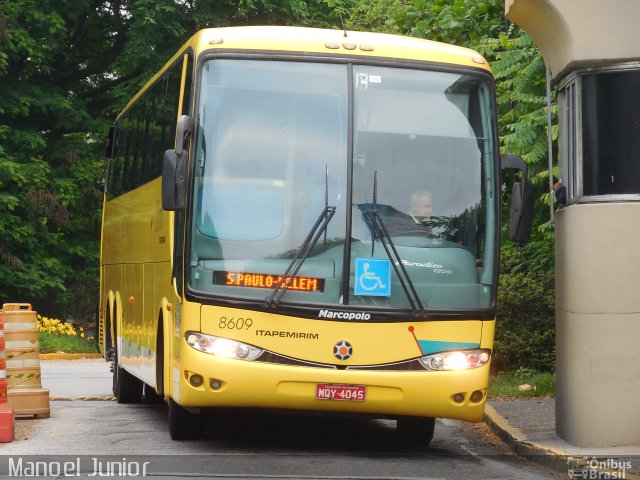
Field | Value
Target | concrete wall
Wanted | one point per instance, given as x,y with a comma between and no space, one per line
576,33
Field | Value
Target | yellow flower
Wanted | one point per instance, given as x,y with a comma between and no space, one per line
55,326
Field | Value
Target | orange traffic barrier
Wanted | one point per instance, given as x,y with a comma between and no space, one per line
7,416
3,365
25,391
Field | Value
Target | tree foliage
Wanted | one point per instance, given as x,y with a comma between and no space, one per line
461,22
67,67
48,194
525,334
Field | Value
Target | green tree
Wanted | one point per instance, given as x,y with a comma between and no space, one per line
375,16
517,66
520,77
67,67
461,22
44,196
525,334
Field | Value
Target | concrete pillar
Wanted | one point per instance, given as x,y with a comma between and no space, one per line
597,247
597,324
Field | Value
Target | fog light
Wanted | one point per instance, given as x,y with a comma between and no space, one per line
215,384
477,396
458,397
196,380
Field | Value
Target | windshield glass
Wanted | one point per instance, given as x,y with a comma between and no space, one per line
427,138
271,154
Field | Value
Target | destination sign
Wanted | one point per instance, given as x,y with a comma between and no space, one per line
266,280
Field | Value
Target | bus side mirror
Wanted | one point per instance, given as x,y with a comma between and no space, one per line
522,201
174,170
174,180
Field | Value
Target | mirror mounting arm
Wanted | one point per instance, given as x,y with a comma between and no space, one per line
511,161
182,129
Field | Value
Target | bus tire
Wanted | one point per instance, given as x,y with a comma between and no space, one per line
183,425
151,396
126,387
415,431
106,336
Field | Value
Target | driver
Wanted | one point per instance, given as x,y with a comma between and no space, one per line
421,205
417,222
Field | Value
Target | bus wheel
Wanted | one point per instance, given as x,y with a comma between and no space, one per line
151,396
183,425
126,387
415,431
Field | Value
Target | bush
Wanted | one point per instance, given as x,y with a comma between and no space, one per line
525,329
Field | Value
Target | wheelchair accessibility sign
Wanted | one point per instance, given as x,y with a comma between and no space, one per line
373,277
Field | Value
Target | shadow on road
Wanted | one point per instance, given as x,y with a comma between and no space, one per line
260,431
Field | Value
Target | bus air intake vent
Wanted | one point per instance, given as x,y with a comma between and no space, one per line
276,359
409,365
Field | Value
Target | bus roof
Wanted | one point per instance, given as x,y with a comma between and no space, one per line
314,40
335,43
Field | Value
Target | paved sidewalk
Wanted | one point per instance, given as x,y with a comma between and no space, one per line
528,426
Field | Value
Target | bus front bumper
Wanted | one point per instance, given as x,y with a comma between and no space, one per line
247,384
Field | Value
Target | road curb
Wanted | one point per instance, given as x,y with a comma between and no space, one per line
69,356
517,441
553,458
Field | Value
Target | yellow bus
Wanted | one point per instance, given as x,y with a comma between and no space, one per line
306,220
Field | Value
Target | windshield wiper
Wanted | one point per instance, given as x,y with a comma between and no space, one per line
292,270
320,227
380,230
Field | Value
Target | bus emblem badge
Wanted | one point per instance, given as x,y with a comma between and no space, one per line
342,350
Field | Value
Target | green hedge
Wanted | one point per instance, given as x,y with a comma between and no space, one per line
525,330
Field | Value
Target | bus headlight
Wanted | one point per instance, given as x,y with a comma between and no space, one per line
222,347
456,359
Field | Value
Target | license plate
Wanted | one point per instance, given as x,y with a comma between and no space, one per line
339,391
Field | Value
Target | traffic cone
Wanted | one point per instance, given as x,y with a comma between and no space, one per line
7,416
25,392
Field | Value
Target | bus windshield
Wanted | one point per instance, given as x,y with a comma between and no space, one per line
276,143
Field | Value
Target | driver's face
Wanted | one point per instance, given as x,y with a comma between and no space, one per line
422,208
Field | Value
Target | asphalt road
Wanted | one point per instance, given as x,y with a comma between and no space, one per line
76,378
103,434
